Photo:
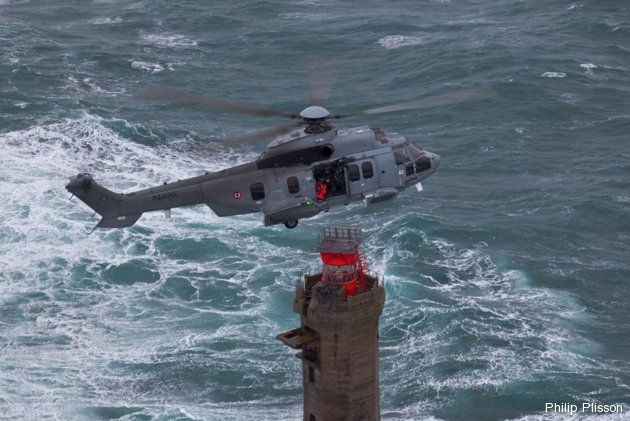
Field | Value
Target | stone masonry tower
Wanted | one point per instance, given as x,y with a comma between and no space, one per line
339,310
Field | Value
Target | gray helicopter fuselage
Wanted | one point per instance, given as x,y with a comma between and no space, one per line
298,176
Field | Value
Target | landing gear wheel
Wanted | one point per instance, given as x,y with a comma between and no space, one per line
291,224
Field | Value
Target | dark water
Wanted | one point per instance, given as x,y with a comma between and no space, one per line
507,277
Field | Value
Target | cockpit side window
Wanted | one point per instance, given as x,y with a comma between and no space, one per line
399,158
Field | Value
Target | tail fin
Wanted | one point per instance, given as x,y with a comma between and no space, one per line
106,203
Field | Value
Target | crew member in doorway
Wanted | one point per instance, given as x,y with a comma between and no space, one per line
321,190
330,187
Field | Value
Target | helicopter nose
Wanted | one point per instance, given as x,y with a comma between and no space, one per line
435,161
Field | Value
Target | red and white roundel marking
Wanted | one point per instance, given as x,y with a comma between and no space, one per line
237,195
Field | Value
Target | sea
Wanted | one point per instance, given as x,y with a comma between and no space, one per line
507,278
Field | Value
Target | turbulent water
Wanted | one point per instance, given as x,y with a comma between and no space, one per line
507,278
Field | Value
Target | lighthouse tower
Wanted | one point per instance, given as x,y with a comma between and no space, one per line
339,310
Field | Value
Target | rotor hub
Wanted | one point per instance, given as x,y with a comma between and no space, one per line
314,112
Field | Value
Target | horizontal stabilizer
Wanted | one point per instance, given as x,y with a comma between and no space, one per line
121,221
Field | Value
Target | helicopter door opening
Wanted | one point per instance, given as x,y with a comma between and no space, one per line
330,180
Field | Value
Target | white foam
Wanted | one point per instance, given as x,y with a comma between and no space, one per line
105,21
47,155
554,75
147,67
507,329
398,41
569,98
92,84
168,40
588,68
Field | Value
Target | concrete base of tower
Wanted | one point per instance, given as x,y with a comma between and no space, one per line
338,343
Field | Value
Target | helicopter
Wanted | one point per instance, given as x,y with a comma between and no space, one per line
310,167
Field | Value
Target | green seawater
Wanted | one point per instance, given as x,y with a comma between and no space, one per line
507,278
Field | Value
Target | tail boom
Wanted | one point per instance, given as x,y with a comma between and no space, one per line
123,210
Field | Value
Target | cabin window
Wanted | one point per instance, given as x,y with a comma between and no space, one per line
353,172
423,164
293,185
399,158
258,191
367,170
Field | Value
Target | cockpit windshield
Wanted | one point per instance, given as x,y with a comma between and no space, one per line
415,152
412,157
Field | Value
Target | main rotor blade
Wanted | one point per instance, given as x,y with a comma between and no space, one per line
185,98
264,134
450,98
